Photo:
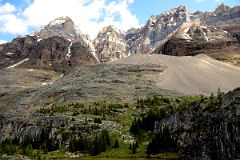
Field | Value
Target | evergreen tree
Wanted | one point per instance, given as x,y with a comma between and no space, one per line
130,147
72,145
106,136
135,127
116,144
219,96
96,147
134,148
162,142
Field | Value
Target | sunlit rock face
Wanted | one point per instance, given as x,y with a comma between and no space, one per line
193,38
110,44
145,39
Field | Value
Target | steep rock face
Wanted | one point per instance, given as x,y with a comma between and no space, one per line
58,46
208,130
157,28
81,55
15,51
65,27
193,38
110,44
20,127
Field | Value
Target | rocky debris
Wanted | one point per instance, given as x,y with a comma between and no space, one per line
206,131
110,44
194,38
14,157
111,126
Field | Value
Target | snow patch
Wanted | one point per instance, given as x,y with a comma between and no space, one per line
9,53
45,83
57,22
153,49
94,54
17,64
225,31
206,38
186,30
39,39
69,51
186,36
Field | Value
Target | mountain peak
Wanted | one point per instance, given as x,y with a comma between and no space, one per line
60,20
110,28
61,26
221,9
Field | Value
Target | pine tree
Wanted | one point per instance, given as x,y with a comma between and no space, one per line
106,136
135,127
219,96
134,148
116,144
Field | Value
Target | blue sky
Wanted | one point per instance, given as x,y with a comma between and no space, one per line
145,8
20,17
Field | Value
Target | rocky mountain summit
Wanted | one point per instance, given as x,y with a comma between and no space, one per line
217,29
144,39
58,46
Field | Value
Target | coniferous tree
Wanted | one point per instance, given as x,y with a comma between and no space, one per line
134,148
116,144
135,127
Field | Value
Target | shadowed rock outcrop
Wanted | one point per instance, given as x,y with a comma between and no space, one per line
208,129
58,46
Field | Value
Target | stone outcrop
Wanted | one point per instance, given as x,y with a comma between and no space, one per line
224,17
206,131
20,127
58,46
145,39
110,44
194,38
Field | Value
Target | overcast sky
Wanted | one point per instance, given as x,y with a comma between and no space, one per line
20,17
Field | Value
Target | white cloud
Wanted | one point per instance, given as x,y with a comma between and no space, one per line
9,23
89,15
2,41
7,8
